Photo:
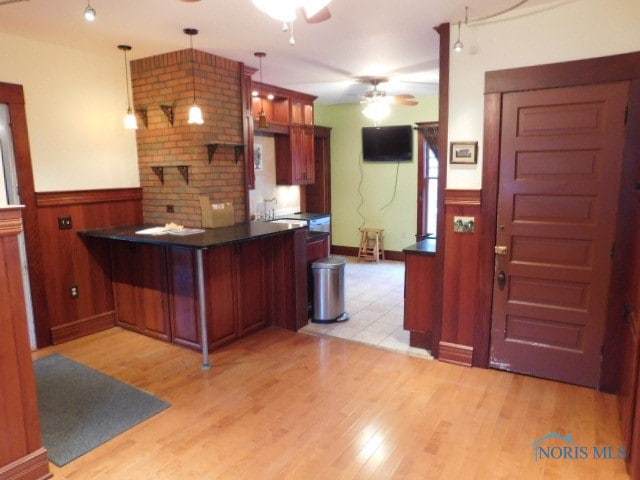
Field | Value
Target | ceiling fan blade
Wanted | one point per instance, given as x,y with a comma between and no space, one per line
399,100
7,2
405,96
321,15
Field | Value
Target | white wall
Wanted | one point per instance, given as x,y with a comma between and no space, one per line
573,30
75,103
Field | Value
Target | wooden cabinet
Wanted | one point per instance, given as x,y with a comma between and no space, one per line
419,298
21,453
295,156
140,288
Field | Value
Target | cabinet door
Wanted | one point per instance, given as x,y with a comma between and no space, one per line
152,298
219,272
251,308
124,273
140,288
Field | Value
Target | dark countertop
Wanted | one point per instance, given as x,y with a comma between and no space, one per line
210,238
424,247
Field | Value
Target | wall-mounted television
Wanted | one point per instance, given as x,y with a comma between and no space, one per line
392,143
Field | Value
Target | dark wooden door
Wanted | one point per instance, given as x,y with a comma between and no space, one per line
560,163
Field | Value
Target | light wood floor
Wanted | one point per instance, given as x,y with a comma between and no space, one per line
283,405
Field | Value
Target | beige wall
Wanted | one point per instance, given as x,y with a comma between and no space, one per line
572,30
75,103
376,205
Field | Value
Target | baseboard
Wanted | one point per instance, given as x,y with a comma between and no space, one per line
455,353
85,326
353,252
34,466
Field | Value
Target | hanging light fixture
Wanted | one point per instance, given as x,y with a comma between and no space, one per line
89,13
262,118
195,114
458,46
130,121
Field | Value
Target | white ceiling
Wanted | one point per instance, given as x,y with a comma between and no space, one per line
393,38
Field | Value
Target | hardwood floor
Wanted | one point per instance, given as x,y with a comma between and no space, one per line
284,405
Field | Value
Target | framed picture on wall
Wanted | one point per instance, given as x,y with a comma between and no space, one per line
258,157
463,153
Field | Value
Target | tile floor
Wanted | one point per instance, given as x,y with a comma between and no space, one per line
374,300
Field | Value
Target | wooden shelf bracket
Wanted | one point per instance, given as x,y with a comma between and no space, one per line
159,171
212,148
184,171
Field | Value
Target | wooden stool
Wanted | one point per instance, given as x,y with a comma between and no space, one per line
371,246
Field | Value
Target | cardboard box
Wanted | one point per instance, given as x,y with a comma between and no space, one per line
216,215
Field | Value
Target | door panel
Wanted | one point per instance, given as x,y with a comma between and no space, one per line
560,164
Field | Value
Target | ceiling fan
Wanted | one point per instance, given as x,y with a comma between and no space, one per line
380,96
7,2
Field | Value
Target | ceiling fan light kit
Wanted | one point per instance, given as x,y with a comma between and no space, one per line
286,11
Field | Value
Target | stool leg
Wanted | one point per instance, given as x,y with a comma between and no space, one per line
382,246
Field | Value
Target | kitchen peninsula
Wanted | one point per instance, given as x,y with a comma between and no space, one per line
207,289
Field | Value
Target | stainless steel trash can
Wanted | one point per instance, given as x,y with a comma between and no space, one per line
328,291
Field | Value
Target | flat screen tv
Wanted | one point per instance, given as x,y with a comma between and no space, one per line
387,144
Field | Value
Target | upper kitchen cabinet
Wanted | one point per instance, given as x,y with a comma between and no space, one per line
290,118
295,156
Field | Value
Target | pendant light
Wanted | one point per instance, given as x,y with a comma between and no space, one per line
458,46
195,114
89,13
130,121
262,118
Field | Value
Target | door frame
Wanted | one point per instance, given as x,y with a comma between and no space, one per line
13,95
623,67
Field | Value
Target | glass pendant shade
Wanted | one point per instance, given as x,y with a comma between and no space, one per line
285,10
89,13
376,111
195,115
130,121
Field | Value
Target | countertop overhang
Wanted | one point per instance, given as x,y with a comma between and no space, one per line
210,238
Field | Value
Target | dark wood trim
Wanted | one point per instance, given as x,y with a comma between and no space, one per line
590,71
443,139
13,95
85,326
422,194
623,67
34,466
79,197
462,197
488,210
456,354
353,252
10,221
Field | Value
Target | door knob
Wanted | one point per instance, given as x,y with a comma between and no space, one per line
502,280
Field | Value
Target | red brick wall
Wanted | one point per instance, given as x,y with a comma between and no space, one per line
167,79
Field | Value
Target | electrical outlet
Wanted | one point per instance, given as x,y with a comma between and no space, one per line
169,208
64,223
73,291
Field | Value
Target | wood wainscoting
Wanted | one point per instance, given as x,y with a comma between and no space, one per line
21,453
83,265
459,312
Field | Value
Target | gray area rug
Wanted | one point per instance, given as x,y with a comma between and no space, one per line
81,408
